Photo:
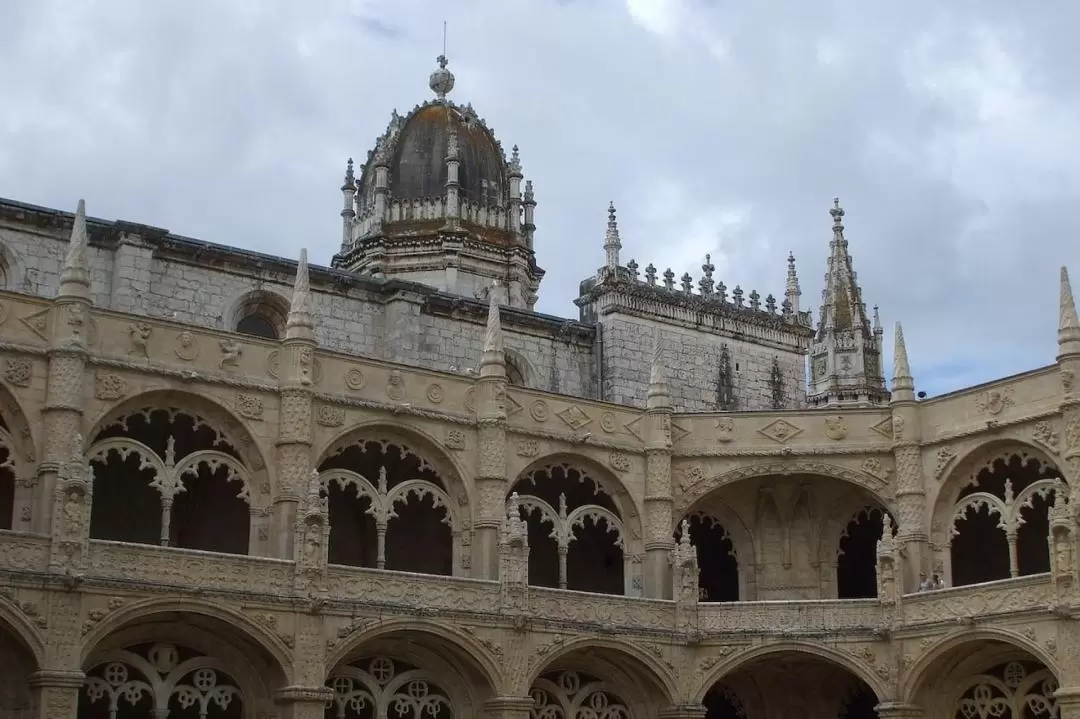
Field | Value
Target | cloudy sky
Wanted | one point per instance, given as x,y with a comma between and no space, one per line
949,131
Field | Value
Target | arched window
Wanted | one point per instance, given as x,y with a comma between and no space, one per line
258,326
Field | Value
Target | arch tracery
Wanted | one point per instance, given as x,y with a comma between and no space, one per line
579,537
168,475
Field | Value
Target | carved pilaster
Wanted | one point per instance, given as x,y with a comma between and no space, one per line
72,501
683,711
1062,543
889,588
913,536
658,519
509,707
899,710
685,582
491,480
56,693
303,702
312,533
514,560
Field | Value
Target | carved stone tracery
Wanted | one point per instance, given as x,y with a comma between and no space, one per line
384,687
571,695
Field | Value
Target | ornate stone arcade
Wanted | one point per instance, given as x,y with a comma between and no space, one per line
207,524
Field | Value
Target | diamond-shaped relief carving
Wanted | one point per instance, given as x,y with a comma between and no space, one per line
575,417
678,432
38,322
512,405
884,427
780,430
633,427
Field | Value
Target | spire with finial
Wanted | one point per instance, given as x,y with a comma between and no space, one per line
75,275
706,284
792,292
350,177
659,396
441,81
515,162
1068,324
300,323
612,241
903,385
493,360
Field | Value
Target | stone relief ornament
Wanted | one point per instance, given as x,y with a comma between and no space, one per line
186,346
1067,379
455,440
470,399
607,422
884,427
725,429
139,336
539,411
619,462
354,380
875,468
1044,433
945,456
574,417
690,476
38,323
836,428
109,387
528,448
780,431
897,427
18,371
329,415
395,386
230,353
435,393
994,401
249,406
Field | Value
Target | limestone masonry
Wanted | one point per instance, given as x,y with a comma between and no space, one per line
239,486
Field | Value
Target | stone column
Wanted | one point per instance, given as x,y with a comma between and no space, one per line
1068,360
56,693
508,707
683,711
295,377
658,501
69,327
912,534
491,480
899,710
301,702
1068,701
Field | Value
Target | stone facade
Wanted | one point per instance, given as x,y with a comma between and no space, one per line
234,486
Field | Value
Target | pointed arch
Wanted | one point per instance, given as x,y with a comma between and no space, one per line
15,622
604,479
19,493
12,269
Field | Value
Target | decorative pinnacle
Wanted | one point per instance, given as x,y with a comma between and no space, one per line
903,386
659,396
441,81
350,177
837,213
300,323
877,320
1068,324
75,276
515,162
493,360
612,241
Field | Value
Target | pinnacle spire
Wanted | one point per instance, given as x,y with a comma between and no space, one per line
493,361
1068,323
903,385
75,275
612,241
659,396
792,291
841,305
301,324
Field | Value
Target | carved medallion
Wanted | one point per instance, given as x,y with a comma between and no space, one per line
455,440
354,380
435,393
18,371
539,411
875,468
395,386
38,323
725,429
780,431
528,448
470,399
249,406
230,353
186,346
836,428
945,456
619,462
690,476
329,415
575,417
109,387
139,338
994,401
1043,433
607,422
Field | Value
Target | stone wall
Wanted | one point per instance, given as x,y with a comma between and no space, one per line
691,359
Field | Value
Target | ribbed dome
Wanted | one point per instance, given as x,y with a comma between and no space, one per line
418,160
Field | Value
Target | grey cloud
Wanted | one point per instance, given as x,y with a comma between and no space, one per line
948,132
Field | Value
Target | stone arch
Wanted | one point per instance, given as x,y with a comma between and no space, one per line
189,635
12,270
381,479
21,655
634,675
979,508
799,649
376,663
722,538
519,370
165,455
953,666
584,527
788,544
258,313
19,493
16,624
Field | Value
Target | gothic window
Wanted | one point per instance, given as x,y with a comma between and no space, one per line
390,509
260,314
999,525
718,577
1015,690
383,687
159,680
576,536
168,476
856,560
257,325
567,694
